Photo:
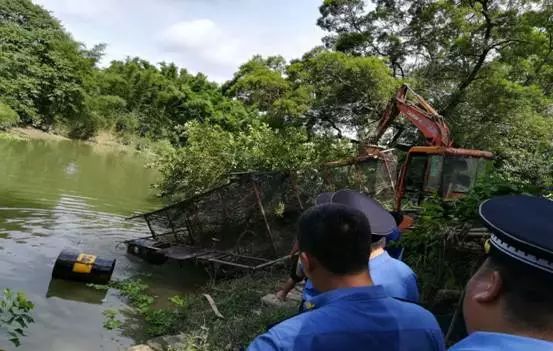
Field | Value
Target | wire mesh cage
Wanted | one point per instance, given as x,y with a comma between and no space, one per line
255,213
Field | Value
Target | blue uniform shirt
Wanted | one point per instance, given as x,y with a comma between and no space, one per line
395,276
355,319
483,341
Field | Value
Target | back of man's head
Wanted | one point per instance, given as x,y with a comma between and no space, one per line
528,294
512,291
337,236
506,295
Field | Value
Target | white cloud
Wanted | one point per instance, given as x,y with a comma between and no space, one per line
201,38
222,50
80,9
213,37
191,34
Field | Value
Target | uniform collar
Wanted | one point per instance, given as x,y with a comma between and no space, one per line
380,258
498,341
364,293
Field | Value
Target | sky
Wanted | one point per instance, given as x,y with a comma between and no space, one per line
209,36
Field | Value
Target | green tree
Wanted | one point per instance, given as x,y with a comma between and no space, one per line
486,64
259,82
448,42
42,68
348,92
155,102
262,85
324,91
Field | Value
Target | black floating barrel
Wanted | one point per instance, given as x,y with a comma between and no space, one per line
74,265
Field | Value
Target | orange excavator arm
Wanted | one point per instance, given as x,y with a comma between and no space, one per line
420,113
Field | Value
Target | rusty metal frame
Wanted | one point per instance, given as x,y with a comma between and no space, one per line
451,151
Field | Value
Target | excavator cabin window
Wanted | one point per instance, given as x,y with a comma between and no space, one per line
450,176
459,175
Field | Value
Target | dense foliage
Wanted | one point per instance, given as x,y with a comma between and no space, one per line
436,248
486,64
212,153
50,80
136,97
8,117
42,70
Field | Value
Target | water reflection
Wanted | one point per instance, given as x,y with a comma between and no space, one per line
37,173
56,195
75,291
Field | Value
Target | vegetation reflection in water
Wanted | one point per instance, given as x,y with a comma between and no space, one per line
57,194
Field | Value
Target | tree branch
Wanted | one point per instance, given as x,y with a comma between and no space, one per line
455,98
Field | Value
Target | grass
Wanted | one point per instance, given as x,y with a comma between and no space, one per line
238,300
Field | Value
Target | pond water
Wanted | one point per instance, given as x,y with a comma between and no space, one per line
66,194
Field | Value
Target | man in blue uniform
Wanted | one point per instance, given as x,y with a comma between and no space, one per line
508,303
350,313
395,276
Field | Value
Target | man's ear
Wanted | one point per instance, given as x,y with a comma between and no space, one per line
487,287
307,263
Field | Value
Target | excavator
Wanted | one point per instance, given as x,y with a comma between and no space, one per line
437,167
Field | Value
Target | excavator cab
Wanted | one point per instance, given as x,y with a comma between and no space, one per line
446,171
438,168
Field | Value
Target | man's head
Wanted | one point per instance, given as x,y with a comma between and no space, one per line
508,296
512,291
333,241
383,225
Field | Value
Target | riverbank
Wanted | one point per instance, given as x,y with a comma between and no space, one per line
29,133
242,315
103,139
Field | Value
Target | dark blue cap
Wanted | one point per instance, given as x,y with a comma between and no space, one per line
522,228
381,221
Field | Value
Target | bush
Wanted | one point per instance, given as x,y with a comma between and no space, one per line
84,128
8,117
211,153
440,257
127,123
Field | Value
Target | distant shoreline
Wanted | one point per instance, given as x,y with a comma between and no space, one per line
30,133
103,140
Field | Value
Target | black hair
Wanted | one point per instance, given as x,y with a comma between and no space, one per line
528,292
338,236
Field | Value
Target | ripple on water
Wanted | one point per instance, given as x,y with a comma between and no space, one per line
64,194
